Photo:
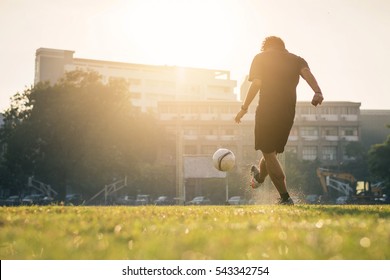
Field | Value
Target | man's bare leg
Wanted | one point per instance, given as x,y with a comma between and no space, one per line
258,174
263,171
276,173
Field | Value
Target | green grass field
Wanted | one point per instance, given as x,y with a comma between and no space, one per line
200,232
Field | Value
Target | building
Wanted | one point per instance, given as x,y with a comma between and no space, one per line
204,102
324,131
321,132
149,84
197,107
318,132
200,128
374,126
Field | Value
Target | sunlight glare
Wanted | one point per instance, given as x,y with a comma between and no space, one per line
182,33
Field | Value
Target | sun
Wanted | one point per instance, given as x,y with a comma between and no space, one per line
173,32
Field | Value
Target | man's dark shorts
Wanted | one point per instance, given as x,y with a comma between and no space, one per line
272,136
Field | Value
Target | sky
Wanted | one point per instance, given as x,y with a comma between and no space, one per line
345,42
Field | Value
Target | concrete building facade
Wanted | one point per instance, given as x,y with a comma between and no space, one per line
375,127
318,133
149,84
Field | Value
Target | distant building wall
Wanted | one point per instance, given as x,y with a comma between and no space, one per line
374,126
149,84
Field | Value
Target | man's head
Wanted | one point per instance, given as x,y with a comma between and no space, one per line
272,42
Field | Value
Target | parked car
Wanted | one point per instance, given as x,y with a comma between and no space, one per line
47,200
125,200
13,200
384,199
143,199
342,200
163,200
237,200
199,200
253,201
32,199
73,199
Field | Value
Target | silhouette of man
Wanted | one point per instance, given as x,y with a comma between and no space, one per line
275,74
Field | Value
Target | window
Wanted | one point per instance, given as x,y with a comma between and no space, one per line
291,149
190,150
309,153
208,130
349,131
208,149
304,110
334,110
190,131
329,153
309,131
329,131
229,131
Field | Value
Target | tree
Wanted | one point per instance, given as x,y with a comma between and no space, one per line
379,160
15,162
79,133
358,165
301,175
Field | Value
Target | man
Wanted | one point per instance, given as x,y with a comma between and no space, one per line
275,74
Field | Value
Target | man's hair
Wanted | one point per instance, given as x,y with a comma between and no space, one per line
272,42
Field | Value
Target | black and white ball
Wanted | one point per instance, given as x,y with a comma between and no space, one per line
224,159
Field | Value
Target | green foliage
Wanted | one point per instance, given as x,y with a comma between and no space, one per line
302,232
355,150
379,160
79,133
154,179
301,175
358,165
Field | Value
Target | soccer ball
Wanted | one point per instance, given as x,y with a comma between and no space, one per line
224,159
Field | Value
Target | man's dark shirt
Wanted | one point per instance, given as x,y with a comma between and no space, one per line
279,72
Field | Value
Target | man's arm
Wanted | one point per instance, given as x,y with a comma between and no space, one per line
312,82
252,92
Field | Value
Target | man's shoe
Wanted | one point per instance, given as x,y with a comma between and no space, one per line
255,172
289,201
